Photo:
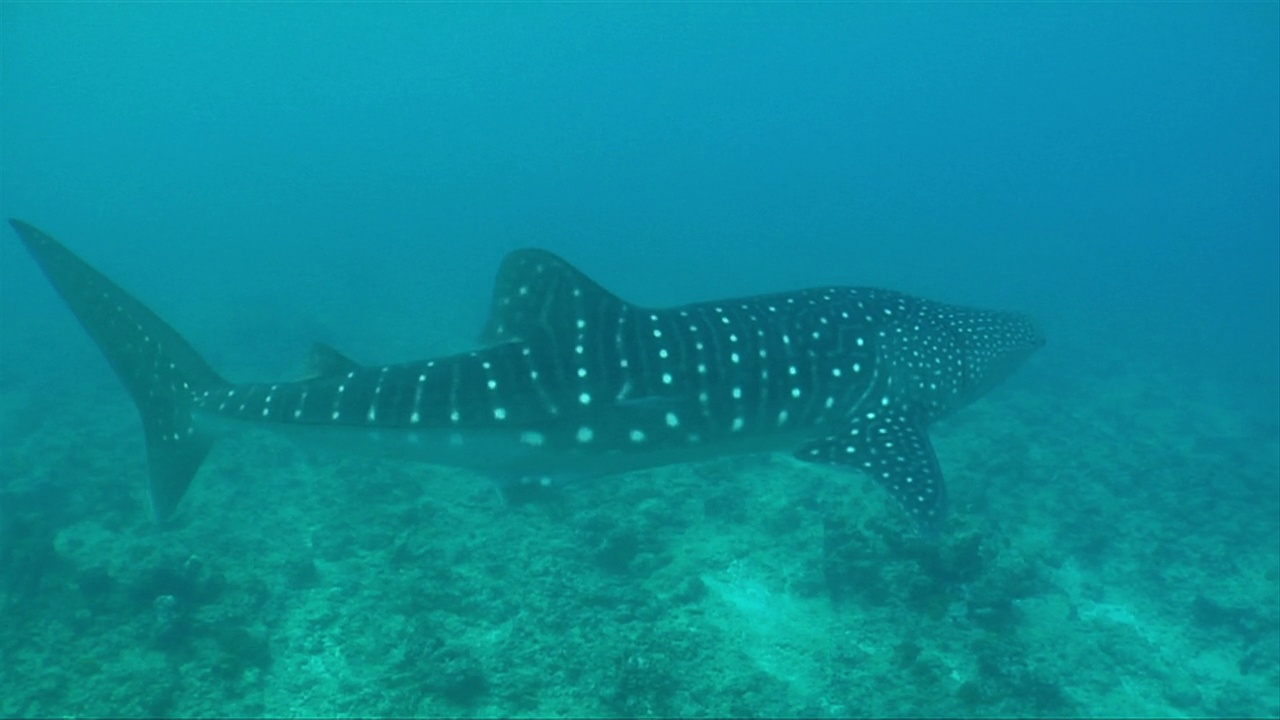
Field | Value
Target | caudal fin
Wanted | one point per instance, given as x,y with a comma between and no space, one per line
161,371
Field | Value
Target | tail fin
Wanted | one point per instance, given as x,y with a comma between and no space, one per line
161,371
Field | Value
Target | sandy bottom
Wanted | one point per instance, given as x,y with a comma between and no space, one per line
1114,549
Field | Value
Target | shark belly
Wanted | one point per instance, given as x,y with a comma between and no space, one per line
502,456
545,439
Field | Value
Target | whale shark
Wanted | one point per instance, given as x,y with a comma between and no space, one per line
571,381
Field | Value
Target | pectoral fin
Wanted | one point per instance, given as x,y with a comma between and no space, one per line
895,450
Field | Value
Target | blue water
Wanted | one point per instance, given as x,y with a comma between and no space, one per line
266,175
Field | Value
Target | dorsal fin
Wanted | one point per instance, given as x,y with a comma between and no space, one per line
539,293
325,361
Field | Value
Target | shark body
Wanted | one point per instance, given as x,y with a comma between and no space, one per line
572,381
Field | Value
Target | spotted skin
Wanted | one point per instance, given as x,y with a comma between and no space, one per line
573,381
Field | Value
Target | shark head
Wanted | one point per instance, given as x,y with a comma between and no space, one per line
946,356
992,346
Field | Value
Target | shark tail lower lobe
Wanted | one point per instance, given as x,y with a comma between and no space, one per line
161,371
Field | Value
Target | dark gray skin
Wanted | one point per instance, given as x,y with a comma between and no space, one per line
574,382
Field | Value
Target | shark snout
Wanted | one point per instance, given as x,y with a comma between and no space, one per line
1022,332
1036,334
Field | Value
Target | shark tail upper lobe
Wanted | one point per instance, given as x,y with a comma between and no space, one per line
161,371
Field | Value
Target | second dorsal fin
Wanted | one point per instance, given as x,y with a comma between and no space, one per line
324,361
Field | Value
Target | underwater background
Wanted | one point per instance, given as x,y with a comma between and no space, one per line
268,175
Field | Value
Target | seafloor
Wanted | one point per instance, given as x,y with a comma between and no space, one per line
1114,549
